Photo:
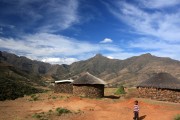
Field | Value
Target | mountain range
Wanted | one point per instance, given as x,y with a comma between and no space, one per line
128,72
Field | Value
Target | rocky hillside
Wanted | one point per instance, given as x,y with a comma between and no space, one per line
33,67
15,83
129,72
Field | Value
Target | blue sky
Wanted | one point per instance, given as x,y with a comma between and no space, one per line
65,31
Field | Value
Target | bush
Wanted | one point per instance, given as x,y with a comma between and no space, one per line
120,90
177,117
34,97
36,115
61,111
40,116
12,89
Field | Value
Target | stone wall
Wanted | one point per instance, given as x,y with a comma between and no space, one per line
92,91
64,87
160,94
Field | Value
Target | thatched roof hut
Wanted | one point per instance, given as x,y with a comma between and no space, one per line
163,81
88,85
162,86
63,86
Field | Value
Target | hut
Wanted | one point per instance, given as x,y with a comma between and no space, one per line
87,85
63,86
162,86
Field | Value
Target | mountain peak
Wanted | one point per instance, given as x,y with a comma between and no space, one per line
99,56
147,55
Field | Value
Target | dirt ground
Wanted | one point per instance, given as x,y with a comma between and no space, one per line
108,108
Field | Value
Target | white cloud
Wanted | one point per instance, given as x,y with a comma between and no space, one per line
123,55
110,57
158,3
157,47
45,45
65,14
163,25
159,27
107,40
59,60
43,15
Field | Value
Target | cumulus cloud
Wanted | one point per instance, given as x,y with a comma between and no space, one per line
110,57
59,60
46,45
106,40
163,25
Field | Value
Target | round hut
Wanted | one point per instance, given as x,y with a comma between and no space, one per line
88,85
63,86
162,86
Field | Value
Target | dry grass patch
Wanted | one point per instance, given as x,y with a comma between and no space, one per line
177,117
56,113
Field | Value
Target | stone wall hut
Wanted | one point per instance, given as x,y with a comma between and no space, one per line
88,85
63,86
162,86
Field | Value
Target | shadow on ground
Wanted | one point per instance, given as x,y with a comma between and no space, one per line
142,117
112,97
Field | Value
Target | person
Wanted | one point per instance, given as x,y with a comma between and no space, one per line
136,110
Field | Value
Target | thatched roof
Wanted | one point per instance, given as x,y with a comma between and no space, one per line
162,80
87,78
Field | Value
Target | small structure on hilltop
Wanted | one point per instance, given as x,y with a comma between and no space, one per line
162,86
88,85
63,86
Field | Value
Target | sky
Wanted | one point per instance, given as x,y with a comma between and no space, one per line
66,31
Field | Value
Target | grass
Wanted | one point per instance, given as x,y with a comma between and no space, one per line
60,111
54,97
37,115
131,93
58,97
51,114
120,90
64,97
177,117
109,91
79,111
17,118
34,97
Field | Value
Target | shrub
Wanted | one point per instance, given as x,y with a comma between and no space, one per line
40,116
54,97
120,90
36,115
61,111
177,117
11,89
64,97
34,97
50,111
